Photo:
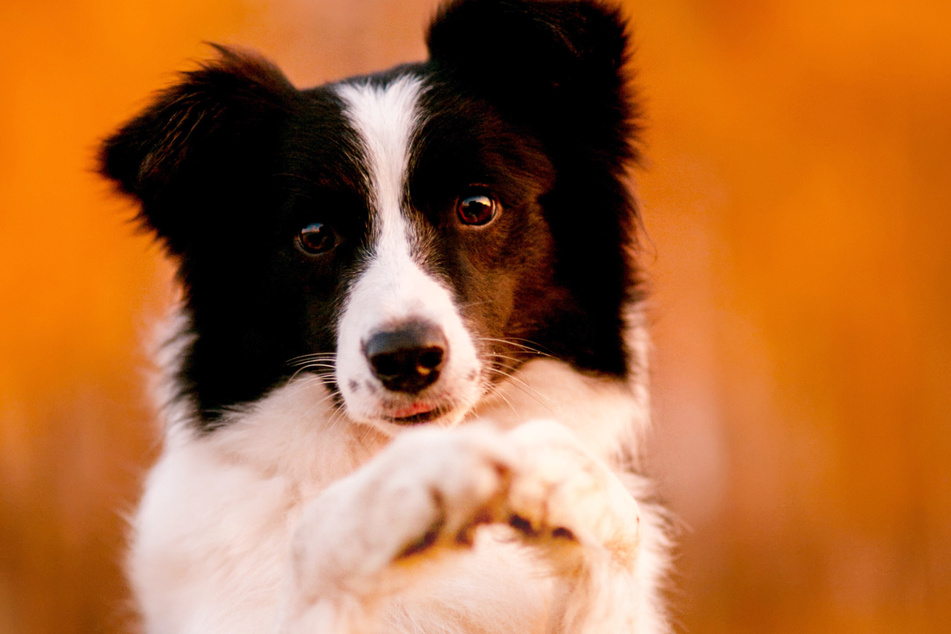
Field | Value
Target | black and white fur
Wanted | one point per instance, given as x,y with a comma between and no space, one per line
406,388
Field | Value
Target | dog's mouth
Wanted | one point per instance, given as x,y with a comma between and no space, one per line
421,412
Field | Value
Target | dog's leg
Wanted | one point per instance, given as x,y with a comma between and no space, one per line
367,536
577,511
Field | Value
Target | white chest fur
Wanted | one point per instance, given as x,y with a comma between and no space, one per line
212,538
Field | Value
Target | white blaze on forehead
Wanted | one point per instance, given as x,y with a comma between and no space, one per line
385,118
393,287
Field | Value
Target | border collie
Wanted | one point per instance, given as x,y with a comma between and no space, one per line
406,386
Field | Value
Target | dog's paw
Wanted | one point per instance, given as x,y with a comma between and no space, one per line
561,498
369,535
425,494
458,481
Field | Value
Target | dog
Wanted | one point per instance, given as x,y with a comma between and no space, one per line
406,385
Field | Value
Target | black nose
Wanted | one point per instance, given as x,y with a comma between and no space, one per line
409,357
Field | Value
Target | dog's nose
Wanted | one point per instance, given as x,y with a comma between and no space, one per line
408,357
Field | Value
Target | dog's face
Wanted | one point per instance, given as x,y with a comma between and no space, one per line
410,237
448,251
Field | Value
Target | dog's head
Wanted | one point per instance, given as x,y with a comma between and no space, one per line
412,236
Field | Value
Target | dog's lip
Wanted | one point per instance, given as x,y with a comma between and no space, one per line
418,412
414,409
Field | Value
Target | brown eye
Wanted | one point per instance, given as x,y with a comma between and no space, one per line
477,209
317,239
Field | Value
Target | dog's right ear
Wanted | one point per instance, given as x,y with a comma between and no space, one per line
198,143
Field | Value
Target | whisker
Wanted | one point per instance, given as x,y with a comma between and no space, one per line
337,418
307,358
527,389
366,435
317,375
508,358
332,393
494,390
329,373
318,364
529,346
329,397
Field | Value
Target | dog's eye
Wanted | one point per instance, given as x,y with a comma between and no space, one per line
477,209
317,238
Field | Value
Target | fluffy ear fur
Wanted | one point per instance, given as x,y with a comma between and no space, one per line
558,66
200,145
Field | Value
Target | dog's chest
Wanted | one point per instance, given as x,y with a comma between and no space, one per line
213,538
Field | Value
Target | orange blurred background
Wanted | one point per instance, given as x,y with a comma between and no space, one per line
798,202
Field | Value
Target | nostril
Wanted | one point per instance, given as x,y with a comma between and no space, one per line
385,364
429,359
408,357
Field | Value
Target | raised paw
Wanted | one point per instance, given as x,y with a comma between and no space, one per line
426,493
561,497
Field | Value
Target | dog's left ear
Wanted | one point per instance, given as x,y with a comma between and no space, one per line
557,66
